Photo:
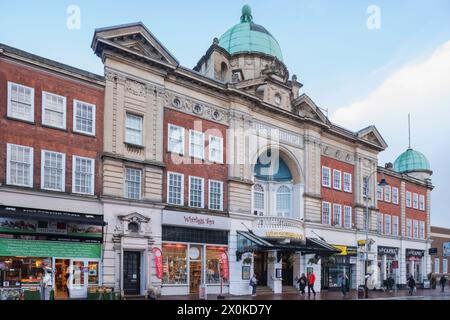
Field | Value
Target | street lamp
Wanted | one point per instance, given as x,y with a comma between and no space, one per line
382,183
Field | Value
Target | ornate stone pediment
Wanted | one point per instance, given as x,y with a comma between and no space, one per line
305,107
373,136
133,224
132,38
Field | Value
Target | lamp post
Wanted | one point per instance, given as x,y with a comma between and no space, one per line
382,183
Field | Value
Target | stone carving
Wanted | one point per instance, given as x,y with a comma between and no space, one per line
136,88
338,154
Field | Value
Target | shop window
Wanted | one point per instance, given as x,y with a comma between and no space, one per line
53,110
174,264
284,201
15,272
93,272
337,179
196,144
84,117
176,139
78,273
213,264
20,102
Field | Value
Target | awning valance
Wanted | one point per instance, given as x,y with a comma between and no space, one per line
51,215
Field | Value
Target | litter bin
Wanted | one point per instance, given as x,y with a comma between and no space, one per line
361,292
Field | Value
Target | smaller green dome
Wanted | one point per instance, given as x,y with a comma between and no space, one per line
410,161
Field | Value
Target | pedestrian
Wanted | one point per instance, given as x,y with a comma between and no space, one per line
253,283
391,283
302,284
443,282
411,285
311,279
344,284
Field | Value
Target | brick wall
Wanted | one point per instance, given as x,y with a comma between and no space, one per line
40,137
439,236
195,167
416,214
390,207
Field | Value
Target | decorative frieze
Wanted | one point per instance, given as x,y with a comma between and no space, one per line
264,130
337,153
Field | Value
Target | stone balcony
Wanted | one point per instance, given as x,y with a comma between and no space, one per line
278,228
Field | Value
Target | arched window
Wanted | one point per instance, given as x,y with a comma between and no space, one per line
223,71
133,227
258,199
284,201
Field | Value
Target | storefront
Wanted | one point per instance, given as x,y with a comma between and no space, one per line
194,250
67,244
388,264
415,264
335,266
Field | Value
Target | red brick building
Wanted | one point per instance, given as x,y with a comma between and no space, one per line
441,243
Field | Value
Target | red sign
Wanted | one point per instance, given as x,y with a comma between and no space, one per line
158,262
394,264
224,265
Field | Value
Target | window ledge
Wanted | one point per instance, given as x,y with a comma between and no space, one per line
91,135
20,120
135,146
47,126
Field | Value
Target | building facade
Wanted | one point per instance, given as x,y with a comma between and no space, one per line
51,129
212,174
441,244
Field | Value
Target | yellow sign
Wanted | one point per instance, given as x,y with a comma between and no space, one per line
343,250
361,243
283,234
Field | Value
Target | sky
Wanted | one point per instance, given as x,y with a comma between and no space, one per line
365,62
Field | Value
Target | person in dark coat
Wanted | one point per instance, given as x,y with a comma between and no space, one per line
443,282
302,283
391,283
345,283
411,285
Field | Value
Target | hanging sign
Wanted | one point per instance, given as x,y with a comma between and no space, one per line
158,262
224,265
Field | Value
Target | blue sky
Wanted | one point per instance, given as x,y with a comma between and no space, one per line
343,65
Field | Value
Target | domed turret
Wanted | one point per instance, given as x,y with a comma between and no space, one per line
414,163
247,36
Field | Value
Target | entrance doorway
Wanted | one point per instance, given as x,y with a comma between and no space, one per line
195,268
287,270
260,261
61,278
132,272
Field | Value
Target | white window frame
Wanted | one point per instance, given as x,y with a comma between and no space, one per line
408,199
141,138
194,132
8,165
415,201
9,107
348,187
347,212
219,159
221,194
263,210
444,265
415,229
387,194
182,138
422,202
140,183
339,207
337,173
63,175
387,224
203,192
328,204
169,173
395,225
74,124
380,193
394,195
282,213
44,110
421,229
327,169
437,262
409,233
74,157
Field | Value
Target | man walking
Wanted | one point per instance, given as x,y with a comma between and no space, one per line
344,285
411,285
311,279
443,282
302,283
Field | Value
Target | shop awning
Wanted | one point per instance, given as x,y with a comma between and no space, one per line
47,215
248,241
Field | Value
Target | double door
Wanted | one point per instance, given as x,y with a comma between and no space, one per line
73,276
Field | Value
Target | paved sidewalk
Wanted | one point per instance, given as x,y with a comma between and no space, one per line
421,294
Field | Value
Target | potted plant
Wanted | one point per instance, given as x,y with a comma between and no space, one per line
314,260
247,260
153,293
271,259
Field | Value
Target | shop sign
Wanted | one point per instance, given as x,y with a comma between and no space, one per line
414,253
361,243
432,251
446,249
342,248
158,262
224,265
35,248
193,220
388,251
283,234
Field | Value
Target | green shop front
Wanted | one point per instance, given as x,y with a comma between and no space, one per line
66,245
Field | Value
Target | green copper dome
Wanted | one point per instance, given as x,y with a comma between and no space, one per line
250,37
410,161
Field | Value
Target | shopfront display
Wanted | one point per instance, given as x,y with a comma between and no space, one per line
70,244
415,264
388,264
334,267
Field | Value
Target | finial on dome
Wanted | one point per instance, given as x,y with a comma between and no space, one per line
246,14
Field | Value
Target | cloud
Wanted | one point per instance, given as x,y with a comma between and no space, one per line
422,89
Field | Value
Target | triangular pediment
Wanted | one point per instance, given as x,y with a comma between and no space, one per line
135,39
306,108
372,135
134,217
